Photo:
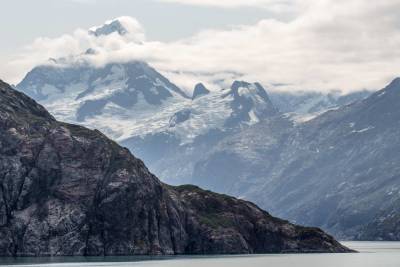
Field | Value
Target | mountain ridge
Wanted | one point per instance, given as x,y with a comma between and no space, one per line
342,162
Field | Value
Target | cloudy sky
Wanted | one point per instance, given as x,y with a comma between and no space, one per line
286,44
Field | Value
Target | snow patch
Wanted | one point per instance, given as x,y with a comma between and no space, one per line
382,94
253,117
363,130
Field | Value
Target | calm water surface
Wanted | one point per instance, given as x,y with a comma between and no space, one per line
372,254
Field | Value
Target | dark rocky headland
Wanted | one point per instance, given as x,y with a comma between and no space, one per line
67,190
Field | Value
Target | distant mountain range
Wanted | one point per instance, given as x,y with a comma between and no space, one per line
339,171
323,159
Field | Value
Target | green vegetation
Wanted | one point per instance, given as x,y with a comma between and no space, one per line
215,220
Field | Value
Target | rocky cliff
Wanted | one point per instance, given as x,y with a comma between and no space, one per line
67,190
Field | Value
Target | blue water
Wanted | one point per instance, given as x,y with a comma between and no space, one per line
372,254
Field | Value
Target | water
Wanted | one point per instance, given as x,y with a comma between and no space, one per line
372,254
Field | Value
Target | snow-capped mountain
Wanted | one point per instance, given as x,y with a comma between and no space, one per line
194,128
132,99
114,26
338,171
250,103
143,110
126,27
98,97
303,106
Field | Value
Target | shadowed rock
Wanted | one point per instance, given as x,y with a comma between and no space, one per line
199,90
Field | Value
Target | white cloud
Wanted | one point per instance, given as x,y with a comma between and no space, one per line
332,44
277,5
84,1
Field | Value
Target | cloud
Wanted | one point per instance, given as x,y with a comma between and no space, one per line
277,5
84,1
69,45
331,44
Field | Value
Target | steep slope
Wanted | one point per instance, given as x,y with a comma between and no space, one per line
199,90
172,152
338,171
239,163
67,190
309,103
80,91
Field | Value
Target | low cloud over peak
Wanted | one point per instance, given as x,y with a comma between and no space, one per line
331,44
123,26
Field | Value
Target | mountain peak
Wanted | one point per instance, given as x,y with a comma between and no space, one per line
250,103
124,26
108,28
389,94
394,85
89,91
237,84
200,90
240,89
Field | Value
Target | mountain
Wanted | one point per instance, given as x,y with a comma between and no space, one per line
119,99
132,99
302,106
194,129
338,171
199,90
113,26
68,190
143,110
79,91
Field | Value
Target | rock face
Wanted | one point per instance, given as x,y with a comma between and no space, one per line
67,190
199,90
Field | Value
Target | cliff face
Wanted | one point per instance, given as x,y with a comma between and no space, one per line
67,190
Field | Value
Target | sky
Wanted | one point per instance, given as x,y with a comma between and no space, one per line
319,45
